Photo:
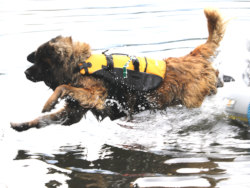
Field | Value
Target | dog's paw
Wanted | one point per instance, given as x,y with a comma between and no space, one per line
20,126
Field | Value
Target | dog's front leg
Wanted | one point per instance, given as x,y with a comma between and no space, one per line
53,100
57,117
71,113
87,98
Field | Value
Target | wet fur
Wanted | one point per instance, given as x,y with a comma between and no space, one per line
189,79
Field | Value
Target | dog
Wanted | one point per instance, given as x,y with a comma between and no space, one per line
187,81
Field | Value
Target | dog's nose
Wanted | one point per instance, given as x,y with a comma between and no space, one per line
29,75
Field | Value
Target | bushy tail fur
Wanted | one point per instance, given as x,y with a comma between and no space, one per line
216,29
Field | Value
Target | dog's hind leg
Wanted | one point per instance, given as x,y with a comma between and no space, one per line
87,98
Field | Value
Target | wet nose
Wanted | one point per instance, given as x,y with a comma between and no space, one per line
29,75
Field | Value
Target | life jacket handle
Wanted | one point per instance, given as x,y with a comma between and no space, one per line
134,60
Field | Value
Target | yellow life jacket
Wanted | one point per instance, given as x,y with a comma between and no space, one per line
138,73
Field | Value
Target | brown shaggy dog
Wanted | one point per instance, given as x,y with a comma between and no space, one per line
188,80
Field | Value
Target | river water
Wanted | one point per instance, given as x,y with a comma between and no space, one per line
177,147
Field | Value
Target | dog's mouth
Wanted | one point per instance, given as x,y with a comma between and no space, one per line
35,76
31,77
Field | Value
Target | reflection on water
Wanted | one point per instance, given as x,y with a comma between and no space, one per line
123,166
177,147
117,167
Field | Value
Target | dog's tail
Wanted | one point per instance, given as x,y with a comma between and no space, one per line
216,29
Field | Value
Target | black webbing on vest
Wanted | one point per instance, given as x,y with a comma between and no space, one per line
136,64
85,66
146,64
110,62
135,61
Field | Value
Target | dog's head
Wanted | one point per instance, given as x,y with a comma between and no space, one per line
54,61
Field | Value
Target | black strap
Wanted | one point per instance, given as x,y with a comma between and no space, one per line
136,64
105,53
146,65
85,66
110,62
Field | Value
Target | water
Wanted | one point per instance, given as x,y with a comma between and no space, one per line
177,147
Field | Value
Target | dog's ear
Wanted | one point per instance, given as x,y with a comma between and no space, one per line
62,39
56,38
69,40
31,57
